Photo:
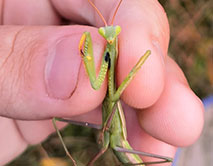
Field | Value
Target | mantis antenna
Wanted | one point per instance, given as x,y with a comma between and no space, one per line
116,10
99,13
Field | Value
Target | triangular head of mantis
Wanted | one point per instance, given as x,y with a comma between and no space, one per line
110,33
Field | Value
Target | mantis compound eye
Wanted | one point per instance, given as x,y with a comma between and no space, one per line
101,31
117,30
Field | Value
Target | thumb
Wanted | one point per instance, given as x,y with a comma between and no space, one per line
41,75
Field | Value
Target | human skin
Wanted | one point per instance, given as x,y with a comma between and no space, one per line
42,76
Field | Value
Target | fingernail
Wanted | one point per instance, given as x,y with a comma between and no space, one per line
62,68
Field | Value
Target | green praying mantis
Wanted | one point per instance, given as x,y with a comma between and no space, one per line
113,130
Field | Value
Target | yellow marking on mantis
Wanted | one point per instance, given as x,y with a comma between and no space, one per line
89,57
81,43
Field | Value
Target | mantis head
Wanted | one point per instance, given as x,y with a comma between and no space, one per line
110,33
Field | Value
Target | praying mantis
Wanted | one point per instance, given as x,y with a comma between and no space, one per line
113,132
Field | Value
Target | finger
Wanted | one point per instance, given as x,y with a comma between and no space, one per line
41,75
177,117
33,12
11,141
82,12
142,141
142,30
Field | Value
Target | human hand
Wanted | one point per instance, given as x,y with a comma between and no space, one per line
42,76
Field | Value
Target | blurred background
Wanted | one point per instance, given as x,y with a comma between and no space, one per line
191,45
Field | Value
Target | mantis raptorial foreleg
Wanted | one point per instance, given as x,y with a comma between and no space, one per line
86,52
115,96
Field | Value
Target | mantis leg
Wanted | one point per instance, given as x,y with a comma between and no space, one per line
99,154
62,141
163,158
105,145
86,52
84,124
130,76
105,140
107,123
